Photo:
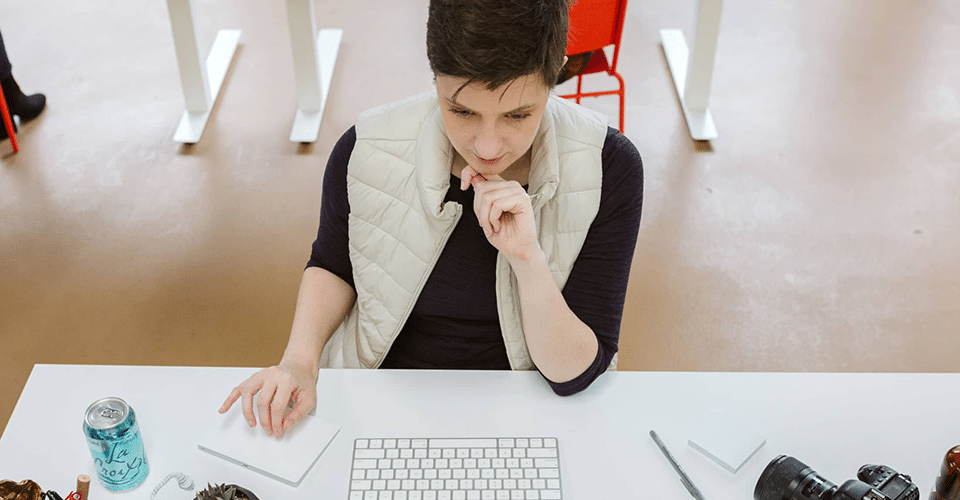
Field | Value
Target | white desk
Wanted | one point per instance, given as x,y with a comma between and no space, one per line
832,422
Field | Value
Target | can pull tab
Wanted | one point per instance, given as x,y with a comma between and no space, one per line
110,413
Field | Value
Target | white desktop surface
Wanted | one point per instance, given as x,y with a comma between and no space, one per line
833,422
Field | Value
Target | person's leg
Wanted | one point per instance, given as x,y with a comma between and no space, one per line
27,107
5,67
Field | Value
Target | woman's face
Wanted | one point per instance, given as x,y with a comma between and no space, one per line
492,129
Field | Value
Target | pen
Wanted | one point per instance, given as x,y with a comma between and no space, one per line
687,483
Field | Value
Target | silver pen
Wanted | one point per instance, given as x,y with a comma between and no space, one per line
687,483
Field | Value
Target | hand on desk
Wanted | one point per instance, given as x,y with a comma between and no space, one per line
278,386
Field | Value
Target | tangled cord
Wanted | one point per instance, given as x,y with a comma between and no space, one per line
185,482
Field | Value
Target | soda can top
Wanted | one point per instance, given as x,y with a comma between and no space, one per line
107,413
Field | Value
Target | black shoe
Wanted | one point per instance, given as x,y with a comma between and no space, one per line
27,107
3,129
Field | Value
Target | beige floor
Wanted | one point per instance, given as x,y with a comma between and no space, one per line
818,233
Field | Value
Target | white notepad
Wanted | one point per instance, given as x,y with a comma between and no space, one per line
726,441
287,460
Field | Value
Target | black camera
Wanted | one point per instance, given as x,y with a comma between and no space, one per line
787,478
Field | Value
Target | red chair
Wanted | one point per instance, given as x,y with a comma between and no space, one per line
595,24
8,121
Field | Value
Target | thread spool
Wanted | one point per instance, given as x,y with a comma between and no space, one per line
83,486
947,485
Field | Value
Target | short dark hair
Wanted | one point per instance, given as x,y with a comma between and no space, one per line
494,42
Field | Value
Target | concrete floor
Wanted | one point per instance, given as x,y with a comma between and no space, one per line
818,233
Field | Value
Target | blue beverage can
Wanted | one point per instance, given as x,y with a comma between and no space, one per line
113,436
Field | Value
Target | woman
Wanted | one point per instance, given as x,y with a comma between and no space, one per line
483,225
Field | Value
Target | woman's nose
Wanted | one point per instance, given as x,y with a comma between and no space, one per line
488,143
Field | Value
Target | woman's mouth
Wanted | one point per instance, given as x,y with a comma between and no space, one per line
488,163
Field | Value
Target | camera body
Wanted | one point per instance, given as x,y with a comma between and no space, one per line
787,478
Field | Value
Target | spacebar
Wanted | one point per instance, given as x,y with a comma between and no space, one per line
463,443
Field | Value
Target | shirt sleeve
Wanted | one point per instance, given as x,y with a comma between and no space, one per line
597,286
331,250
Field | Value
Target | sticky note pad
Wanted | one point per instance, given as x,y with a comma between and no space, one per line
726,441
286,460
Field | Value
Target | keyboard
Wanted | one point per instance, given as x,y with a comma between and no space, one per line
456,469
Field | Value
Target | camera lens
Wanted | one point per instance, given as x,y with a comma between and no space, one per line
787,478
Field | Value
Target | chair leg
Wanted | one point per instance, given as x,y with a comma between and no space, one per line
579,83
621,93
8,121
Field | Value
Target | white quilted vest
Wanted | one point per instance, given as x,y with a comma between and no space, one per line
397,178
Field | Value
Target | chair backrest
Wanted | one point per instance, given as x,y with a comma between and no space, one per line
595,24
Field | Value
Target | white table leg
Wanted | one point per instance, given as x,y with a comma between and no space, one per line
692,75
314,57
201,82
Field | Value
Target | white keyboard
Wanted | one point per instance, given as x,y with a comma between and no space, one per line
456,469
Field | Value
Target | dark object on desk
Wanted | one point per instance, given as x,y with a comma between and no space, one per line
787,478
225,492
24,490
947,485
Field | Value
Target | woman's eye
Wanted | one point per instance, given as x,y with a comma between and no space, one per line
519,116
461,112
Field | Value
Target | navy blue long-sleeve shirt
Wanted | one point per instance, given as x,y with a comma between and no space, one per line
454,323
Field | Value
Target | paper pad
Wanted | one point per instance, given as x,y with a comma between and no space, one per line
725,441
287,460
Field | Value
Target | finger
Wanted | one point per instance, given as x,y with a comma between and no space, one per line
278,408
247,402
231,398
302,406
263,406
466,177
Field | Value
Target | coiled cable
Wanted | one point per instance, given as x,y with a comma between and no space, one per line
185,482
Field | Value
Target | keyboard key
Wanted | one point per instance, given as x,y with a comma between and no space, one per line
376,443
415,495
536,443
370,454
516,495
389,443
549,473
400,495
505,443
403,443
553,484
356,495
370,495
542,453
503,495
361,485
359,474
418,443
362,443
464,452
533,495
365,464
550,443
473,495
550,463
459,495
385,495
393,453
444,495
379,484
523,443
550,494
